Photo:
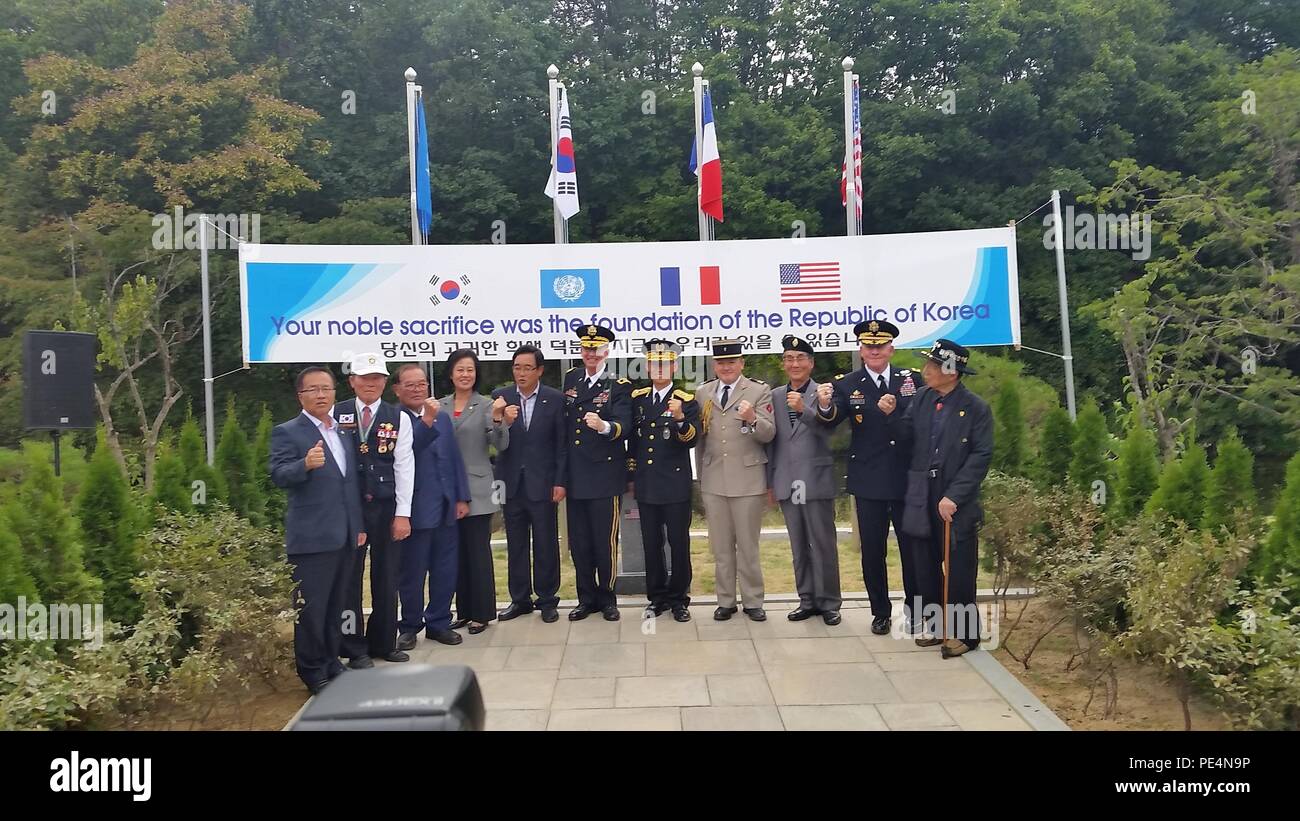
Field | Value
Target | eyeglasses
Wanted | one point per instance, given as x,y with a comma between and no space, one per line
317,391
413,385
523,368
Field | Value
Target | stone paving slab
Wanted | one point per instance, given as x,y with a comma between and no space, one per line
662,675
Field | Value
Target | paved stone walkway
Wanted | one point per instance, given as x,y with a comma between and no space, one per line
732,675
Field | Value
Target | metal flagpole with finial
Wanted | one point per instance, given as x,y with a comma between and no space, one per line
850,178
412,100
699,83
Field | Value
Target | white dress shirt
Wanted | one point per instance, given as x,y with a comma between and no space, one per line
403,456
330,436
591,380
875,377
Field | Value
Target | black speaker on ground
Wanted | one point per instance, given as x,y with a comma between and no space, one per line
58,380
397,697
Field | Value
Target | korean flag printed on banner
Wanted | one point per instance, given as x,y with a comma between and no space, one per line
563,184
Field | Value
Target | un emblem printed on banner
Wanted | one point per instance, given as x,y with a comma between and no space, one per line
570,287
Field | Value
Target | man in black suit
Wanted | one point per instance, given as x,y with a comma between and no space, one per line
598,416
531,469
949,432
877,469
665,423
323,524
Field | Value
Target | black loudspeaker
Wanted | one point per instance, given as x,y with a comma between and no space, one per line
397,697
58,380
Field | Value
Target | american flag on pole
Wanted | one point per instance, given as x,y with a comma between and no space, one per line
563,183
810,281
857,159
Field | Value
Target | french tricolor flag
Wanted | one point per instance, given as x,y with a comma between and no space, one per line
710,173
670,285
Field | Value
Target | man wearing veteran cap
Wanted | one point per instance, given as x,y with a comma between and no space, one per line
665,424
949,433
877,466
735,426
800,473
381,436
598,414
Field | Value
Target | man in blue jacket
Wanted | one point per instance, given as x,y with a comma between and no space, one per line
314,461
440,499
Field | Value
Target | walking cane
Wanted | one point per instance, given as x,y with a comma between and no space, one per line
947,540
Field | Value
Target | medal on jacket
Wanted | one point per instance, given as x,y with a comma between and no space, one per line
666,433
908,388
365,447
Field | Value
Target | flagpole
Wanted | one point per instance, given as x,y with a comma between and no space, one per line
698,71
1067,356
850,178
412,92
561,225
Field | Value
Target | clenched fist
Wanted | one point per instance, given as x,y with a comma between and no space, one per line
316,456
512,413
431,408
498,408
594,421
824,393
745,411
794,399
887,403
675,408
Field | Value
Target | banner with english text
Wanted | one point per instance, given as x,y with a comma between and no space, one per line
326,303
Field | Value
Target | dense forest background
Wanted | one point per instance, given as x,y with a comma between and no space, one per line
112,111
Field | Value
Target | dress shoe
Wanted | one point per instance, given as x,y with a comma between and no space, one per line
610,612
406,641
832,617
475,628
581,612
756,614
514,611
880,625
952,648
444,636
550,614
801,613
656,608
928,641
681,613
361,663
724,613
459,623
396,657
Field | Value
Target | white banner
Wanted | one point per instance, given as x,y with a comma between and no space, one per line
312,303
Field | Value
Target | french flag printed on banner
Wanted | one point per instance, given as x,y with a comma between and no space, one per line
670,285
563,184
710,173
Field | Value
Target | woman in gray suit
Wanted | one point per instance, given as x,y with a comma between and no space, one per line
476,592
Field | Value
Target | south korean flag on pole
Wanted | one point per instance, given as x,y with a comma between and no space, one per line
563,184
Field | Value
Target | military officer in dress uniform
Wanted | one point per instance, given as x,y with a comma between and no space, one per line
665,424
598,414
799,473
382,437
735,425
949,433
877,469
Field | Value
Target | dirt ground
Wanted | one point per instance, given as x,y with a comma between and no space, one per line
1145,700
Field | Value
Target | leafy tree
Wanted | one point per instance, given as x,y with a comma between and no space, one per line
194,458
1231,485
1180,495
1089,449
1055,446
1280,552
52,548
1137,471
171,491
234,460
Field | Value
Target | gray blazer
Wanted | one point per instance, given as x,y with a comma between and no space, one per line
474,433
801,451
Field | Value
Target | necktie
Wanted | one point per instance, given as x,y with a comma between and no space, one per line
794,417
726,394
366,418
884,386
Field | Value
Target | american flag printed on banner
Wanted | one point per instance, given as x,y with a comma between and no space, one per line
857,159
810,281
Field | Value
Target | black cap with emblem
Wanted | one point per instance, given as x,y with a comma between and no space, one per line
875,332
661,350
791,342
727,349
593,336
949,354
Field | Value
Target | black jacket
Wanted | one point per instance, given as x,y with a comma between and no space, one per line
597,463
534,461
877,463
660,450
